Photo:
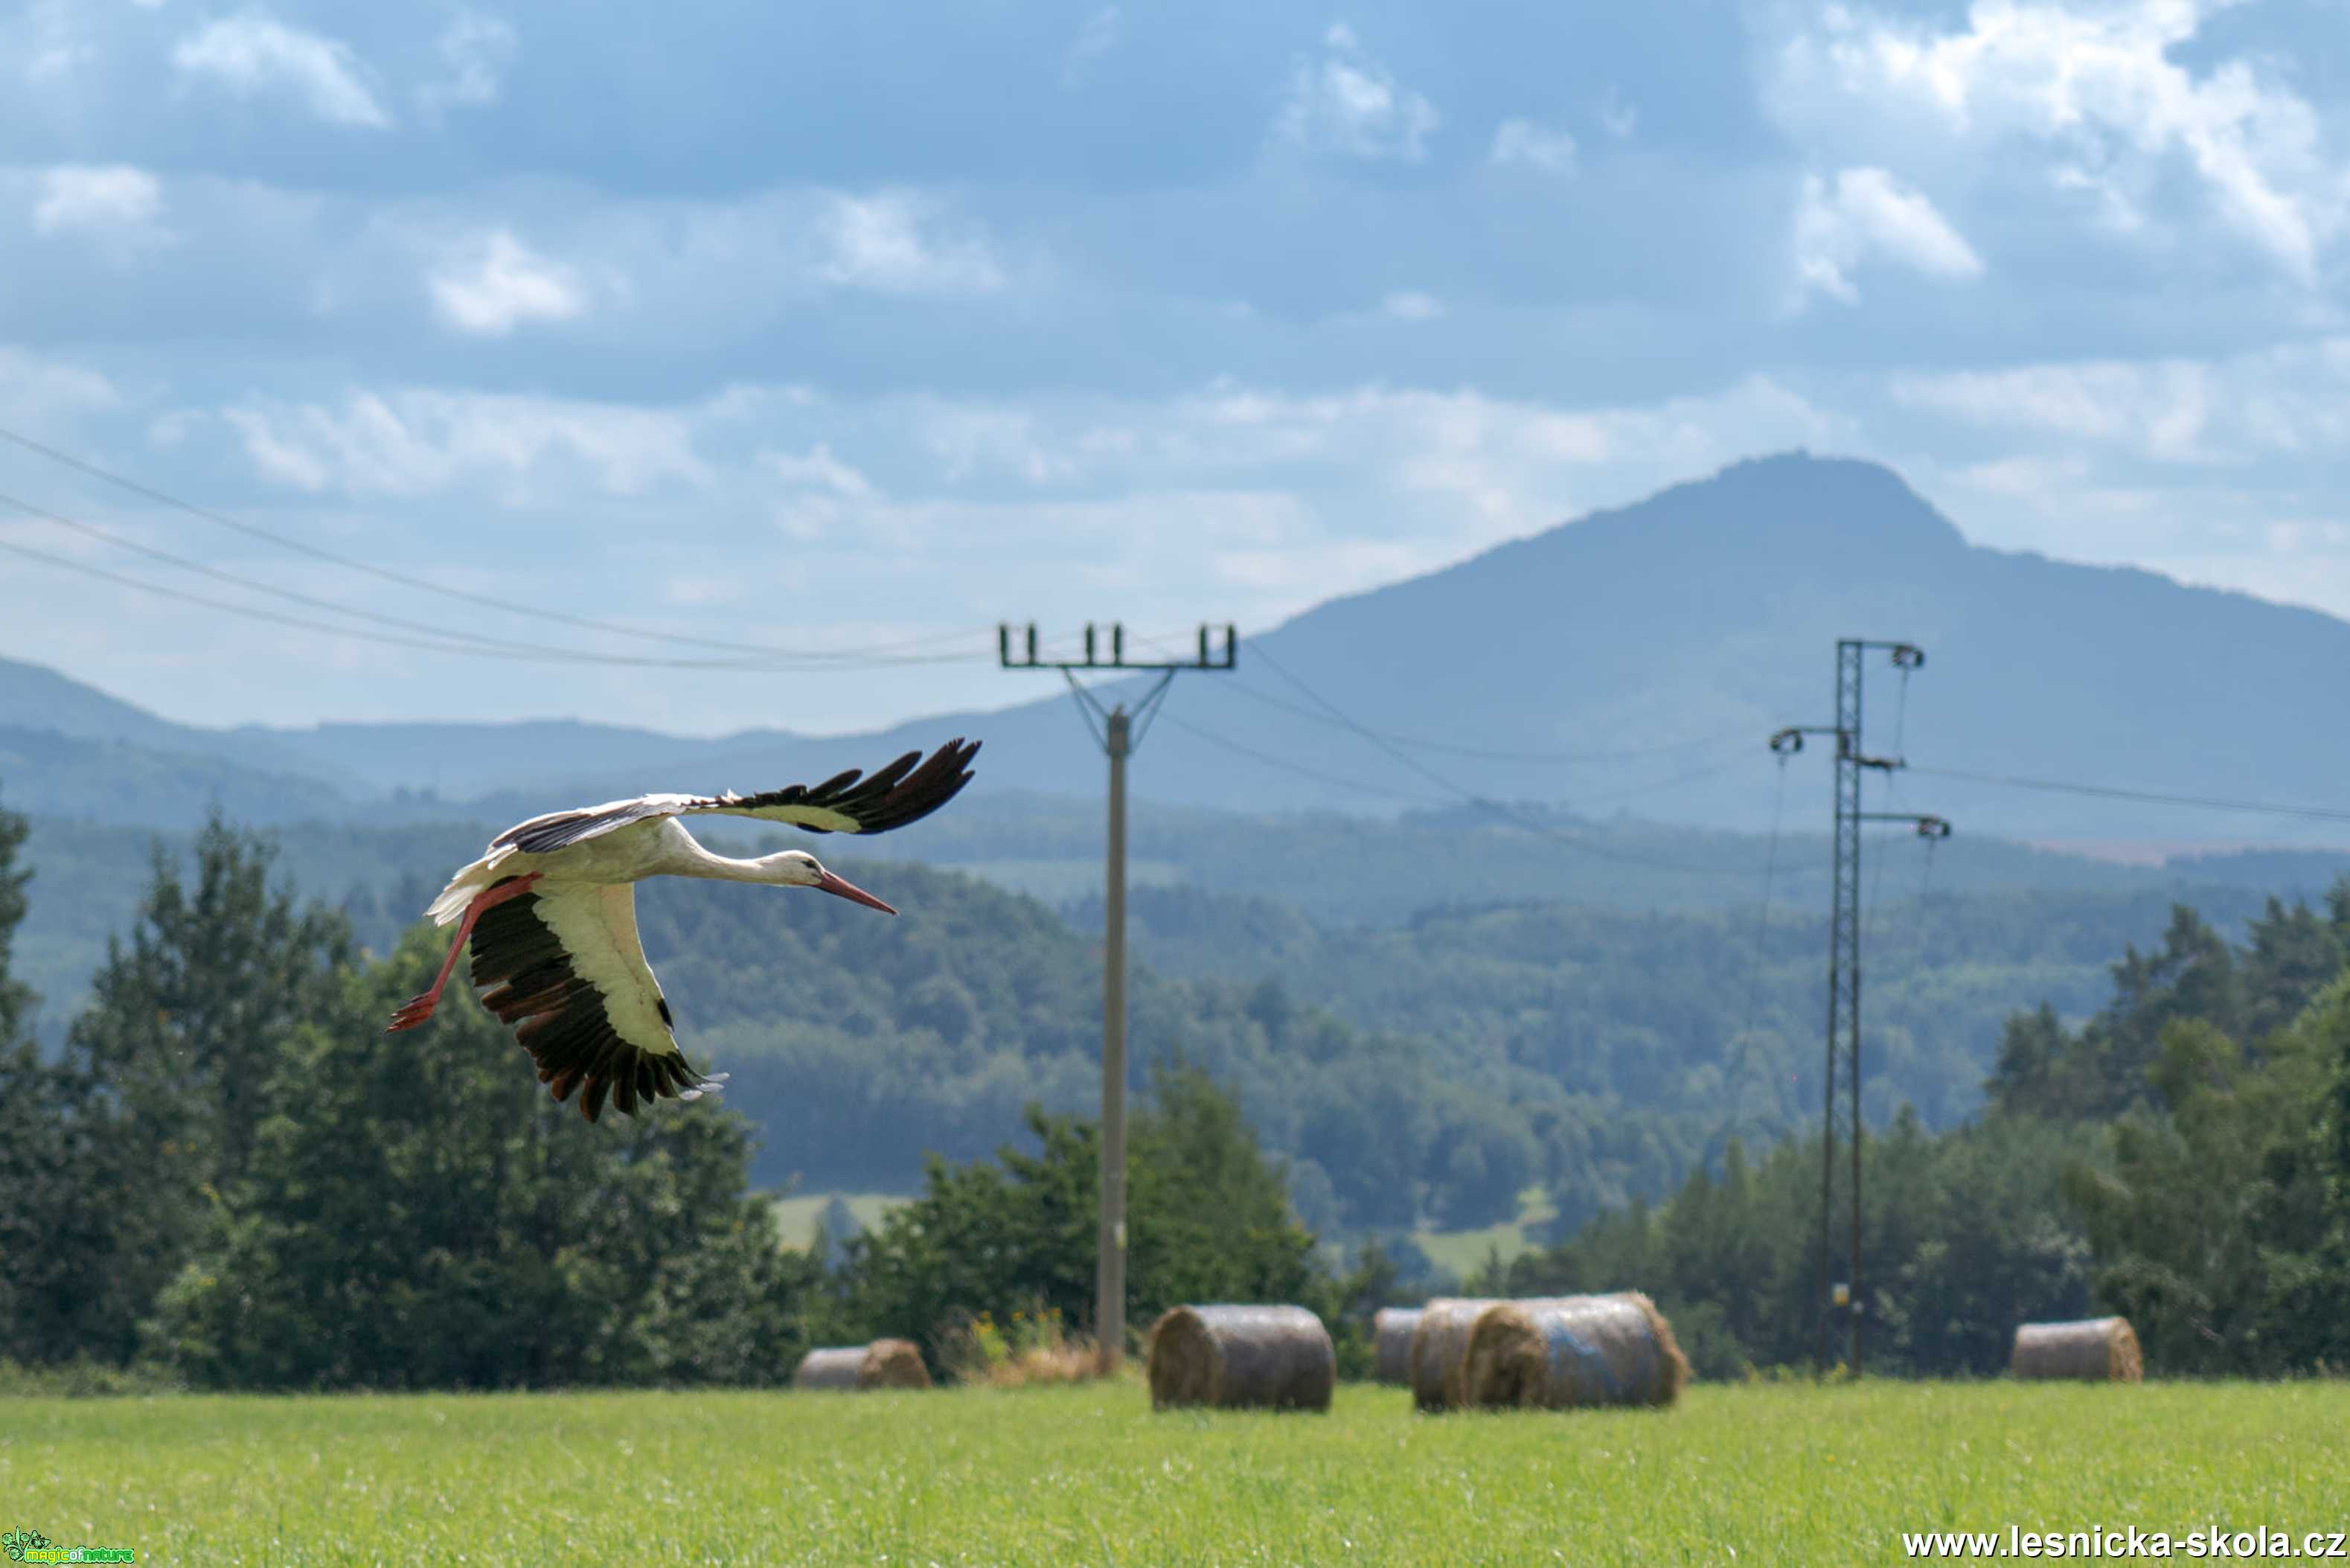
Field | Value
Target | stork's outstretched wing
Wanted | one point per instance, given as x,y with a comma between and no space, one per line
847,803
565,968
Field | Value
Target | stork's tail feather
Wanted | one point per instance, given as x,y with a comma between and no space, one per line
464,889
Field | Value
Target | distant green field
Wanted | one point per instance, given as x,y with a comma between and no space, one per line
796,1217
1463,1252
1769,1472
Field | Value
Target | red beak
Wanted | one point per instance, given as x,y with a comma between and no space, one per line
852,892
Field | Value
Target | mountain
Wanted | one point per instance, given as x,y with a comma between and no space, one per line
541,756
36,699
1691,626
116,781
1635,659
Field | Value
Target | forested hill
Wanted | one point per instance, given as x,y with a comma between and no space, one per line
1427,1071
1339,872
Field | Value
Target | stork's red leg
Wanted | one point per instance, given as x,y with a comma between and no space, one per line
416,1010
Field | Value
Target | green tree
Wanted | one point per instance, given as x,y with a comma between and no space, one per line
17,999
419,1213
1207,1219
2306,1220
2294,953
53,1171
2181,1218
1961,1237
166,1067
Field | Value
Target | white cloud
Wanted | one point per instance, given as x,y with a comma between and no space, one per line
1095,39
475,50
817,469
253,52
2286,402
45,42
39,394
1617,116
2021,478
887,241
1865,214
1522,142
2094,86
819,493
1409,304
1348,103
697,591
423,442
2159,408
500,283
112,198
975,440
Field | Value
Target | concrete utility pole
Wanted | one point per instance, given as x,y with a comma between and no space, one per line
1844,967
1119,733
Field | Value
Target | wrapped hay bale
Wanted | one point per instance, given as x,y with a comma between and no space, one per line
1391,1334
1268,1358
884,1363
1440,1342
1571,1352
2100,1349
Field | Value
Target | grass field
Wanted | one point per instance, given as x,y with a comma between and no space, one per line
796,1216
1463,1252
1770,1472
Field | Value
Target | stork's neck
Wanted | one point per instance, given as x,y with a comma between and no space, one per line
683,855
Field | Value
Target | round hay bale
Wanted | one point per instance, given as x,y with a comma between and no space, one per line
1391,1335
1440,1341
2099,1349
1266,1357
1572,1352
884,1363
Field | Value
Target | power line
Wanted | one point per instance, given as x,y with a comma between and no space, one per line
1652,786
1269,760
246,610
1489,753
424,584
1529,824
255,586
2108,792
1485,753
303,623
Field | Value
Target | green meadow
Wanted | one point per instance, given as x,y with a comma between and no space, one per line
1767,1473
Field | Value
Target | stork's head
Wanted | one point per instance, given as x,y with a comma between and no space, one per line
798,868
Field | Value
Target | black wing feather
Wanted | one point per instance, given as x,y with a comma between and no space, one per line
891,797
895,795
526,978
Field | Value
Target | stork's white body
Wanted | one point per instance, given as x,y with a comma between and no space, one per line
660,847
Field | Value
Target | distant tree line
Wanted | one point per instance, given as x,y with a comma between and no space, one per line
1419,1069
2183,1159
229,1174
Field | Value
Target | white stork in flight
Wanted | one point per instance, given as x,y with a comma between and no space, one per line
551,910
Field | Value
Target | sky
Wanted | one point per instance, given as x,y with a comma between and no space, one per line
855,329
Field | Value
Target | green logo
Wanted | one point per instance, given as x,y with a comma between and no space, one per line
32,1546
